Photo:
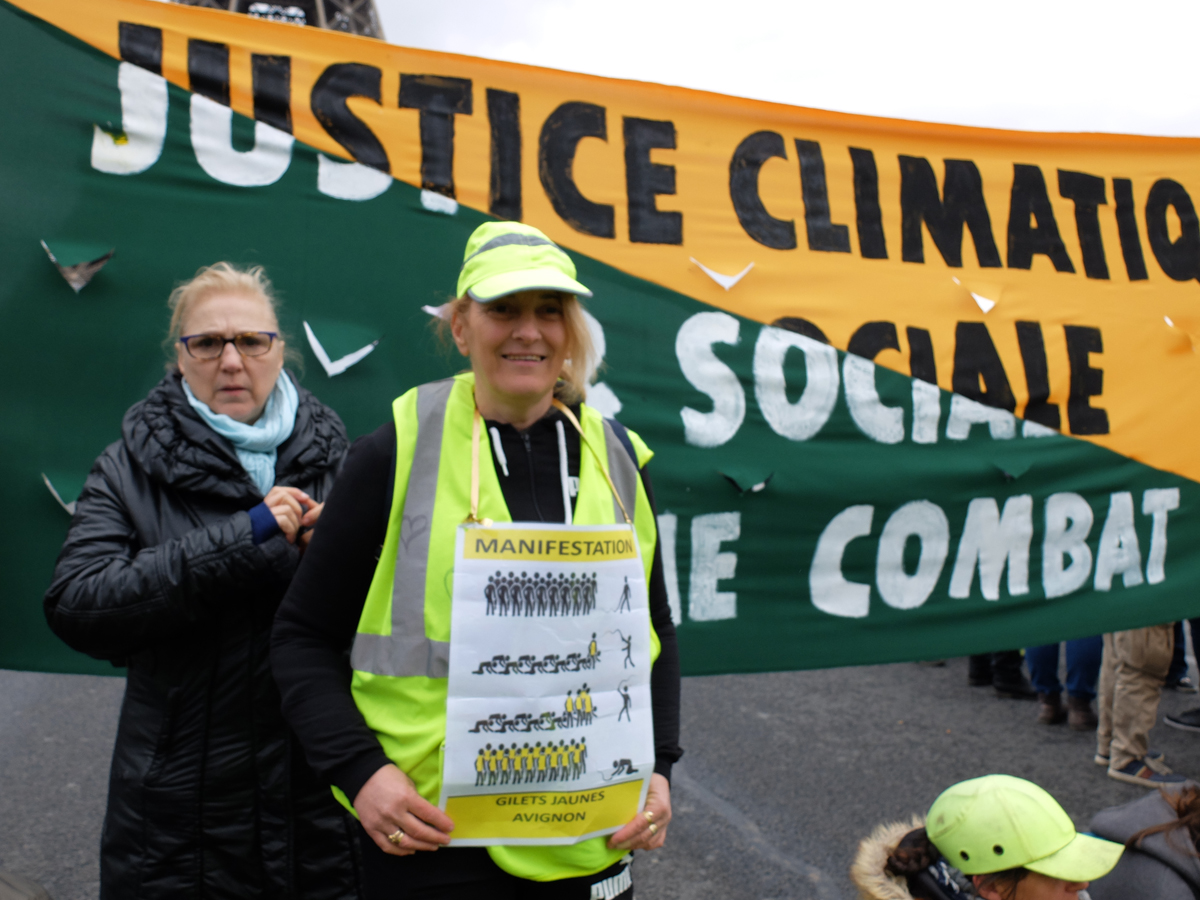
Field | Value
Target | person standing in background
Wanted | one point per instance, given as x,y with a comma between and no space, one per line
1132,671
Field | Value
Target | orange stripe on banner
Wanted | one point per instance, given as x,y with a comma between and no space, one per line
1146,362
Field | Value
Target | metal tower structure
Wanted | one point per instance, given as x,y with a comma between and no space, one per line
350,16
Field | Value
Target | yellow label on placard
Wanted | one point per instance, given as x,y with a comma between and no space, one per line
557,814
536,545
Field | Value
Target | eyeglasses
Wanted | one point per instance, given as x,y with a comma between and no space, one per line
212,346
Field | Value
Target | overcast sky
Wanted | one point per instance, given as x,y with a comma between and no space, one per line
1047,65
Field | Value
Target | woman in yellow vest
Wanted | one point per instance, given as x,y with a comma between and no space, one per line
375,585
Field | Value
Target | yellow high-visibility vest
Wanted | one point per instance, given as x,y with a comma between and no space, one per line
400,656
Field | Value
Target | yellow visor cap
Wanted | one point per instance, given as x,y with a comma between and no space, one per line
1000,822
505,257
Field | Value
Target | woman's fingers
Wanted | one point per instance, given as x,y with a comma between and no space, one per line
310,517
628,833
428,813
286,509
389,803
287,501
292,508
287,520
420,835
382,842
647,830
645,836
655,840
281,490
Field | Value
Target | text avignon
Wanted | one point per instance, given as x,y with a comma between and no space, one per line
550,817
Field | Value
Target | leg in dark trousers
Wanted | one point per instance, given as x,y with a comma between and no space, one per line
1083,673
1043,672
979,670
1008,679
1179,659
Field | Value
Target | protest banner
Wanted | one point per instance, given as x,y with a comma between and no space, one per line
915,390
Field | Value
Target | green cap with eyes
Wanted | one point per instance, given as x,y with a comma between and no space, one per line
505,257
999,822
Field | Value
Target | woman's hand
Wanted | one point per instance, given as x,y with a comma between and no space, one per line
307,523
287,506
389,803
648,829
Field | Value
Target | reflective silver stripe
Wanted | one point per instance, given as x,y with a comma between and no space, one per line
504,240
624,474
407,652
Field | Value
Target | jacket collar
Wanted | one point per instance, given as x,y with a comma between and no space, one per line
175,447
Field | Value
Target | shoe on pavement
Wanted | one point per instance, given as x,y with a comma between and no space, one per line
1139,772
1184,685
1080,715
1188,720
1154,759
1050,709
1015,690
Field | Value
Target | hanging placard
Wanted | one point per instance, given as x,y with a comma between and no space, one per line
549,731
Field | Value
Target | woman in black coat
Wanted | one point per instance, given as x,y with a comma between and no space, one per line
184,540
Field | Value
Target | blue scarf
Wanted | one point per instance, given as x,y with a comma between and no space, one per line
256,444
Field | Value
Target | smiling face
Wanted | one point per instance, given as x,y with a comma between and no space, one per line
517,346
231,384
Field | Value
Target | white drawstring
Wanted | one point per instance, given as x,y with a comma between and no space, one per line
499,449
562,470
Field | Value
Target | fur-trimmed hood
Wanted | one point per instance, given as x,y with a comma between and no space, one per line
869,872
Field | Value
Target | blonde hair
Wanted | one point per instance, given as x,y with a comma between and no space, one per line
221,278
581,359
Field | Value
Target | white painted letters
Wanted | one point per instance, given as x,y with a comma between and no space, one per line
831,592
927,411
707,374
350,180
992,540
1068,523
928,523
884,424
1157,502
143,121
212,141
1118,552
668,526
710,565
965,412
801,420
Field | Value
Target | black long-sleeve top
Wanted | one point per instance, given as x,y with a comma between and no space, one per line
316,623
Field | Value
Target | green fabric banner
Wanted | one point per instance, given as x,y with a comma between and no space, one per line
797,532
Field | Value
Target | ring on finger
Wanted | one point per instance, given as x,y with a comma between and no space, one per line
649,814
397,838
653,828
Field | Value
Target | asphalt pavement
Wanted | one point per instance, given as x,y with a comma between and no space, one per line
783,774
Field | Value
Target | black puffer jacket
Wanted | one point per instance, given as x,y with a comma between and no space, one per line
209,794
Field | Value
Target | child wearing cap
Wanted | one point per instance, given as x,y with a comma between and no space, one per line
995,837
